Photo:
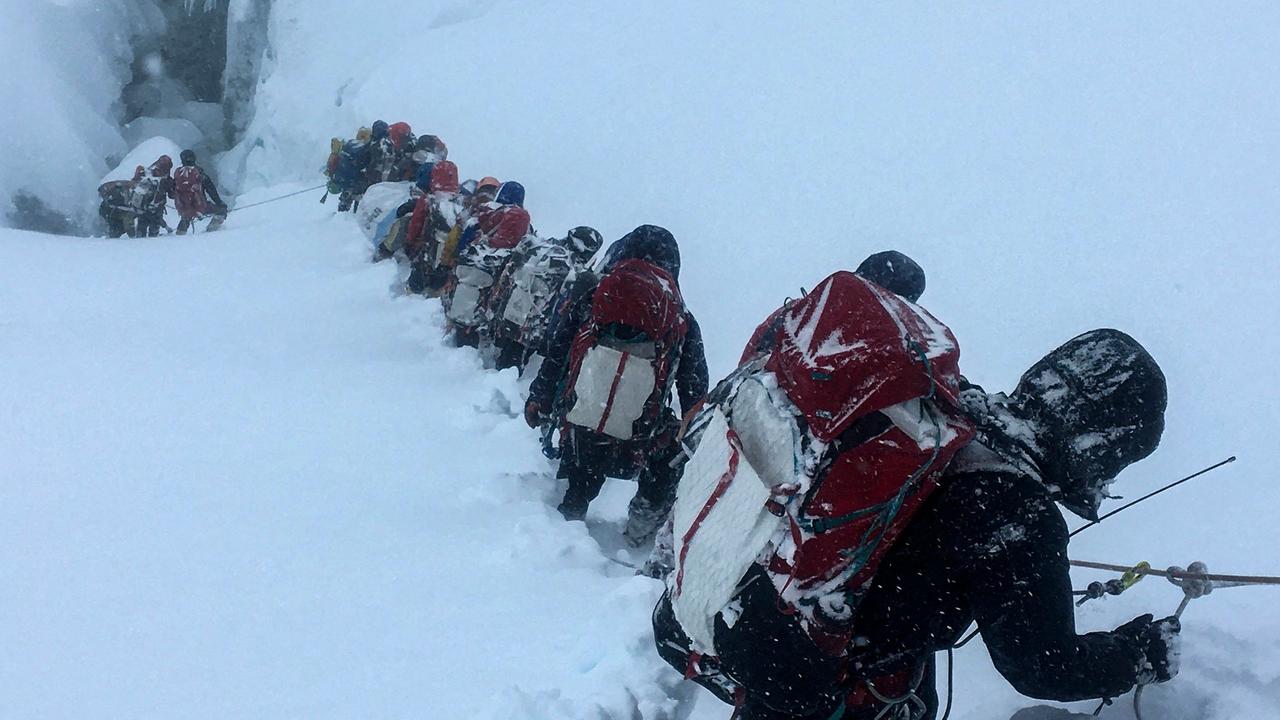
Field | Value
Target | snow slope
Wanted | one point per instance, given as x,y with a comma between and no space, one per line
1054,168
239,480
241,468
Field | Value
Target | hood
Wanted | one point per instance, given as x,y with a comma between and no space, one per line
583,242
894,272
379,129
444,177
1097,404
511,193
423,177
649,243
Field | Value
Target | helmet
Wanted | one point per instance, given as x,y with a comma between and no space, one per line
188,157
894,272
364,134
379,129
583,242
488,181
1098,405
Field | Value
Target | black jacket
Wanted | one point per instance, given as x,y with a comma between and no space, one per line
990,545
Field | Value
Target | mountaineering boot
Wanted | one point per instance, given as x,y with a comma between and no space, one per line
584,486
572,510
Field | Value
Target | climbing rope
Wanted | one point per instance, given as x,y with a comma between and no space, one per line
274,199
1195,581
1176,575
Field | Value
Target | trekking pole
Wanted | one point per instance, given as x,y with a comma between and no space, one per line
1196,582
325,197
965,640
1152,494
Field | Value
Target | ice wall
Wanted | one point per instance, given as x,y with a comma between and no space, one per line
65,64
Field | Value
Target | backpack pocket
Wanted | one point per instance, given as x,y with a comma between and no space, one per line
612,388
472,282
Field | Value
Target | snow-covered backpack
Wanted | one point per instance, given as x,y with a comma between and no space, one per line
533,287
623,359
188,190
477,269
147,194
813,457
352,162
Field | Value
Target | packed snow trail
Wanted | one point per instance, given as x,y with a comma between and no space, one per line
241,480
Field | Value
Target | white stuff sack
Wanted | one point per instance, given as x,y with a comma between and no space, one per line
612,389
520,304
377,209
472,282
734,526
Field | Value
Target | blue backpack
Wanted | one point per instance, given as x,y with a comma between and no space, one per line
352,163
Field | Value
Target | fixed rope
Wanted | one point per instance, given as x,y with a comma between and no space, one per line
275,199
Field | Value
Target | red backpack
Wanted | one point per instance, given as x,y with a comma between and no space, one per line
188,191
504,227
622,361
812,458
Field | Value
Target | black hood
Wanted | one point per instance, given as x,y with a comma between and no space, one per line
650,243
1097,403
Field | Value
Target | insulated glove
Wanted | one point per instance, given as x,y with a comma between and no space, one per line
1160,644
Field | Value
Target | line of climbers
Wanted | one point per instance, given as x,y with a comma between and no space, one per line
136,207
836,510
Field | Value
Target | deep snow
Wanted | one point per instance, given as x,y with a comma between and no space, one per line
241,480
